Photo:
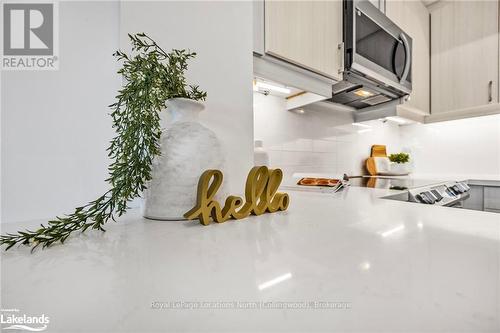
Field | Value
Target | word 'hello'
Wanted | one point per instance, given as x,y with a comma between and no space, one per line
261,196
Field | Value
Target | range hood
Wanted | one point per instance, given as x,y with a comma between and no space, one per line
361,92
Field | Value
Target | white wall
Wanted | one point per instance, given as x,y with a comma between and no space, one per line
55,124
319,141
465,147
221,34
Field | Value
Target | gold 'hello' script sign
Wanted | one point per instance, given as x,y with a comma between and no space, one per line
261,196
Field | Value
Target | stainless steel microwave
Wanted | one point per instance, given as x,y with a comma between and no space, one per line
377,57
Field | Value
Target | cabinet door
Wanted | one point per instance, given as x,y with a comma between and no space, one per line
464,55
306,33
492,199
413,17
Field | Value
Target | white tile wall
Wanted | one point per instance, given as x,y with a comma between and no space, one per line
325,142
319,141
465,147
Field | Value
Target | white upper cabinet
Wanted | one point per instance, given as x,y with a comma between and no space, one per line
306,33
464,56
413,17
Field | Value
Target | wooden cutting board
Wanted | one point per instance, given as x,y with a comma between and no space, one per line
377,151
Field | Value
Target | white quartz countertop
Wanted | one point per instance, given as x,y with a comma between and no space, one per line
379,265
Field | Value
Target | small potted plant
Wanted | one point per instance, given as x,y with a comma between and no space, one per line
400,163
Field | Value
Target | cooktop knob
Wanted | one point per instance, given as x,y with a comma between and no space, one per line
429,196
438,195
421,199
464,186
458,189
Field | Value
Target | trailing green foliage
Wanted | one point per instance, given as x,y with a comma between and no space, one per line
151,77
399,158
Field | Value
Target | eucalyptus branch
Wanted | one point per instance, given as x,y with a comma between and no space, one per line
151,77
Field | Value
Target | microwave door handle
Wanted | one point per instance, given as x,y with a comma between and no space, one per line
408,57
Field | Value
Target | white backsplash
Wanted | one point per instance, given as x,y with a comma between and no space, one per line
319,141
326,143
466,147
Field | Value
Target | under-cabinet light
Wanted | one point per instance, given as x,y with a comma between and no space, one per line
363,93
269,86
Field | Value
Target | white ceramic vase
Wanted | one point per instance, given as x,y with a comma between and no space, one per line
385,167
187,150
400,168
